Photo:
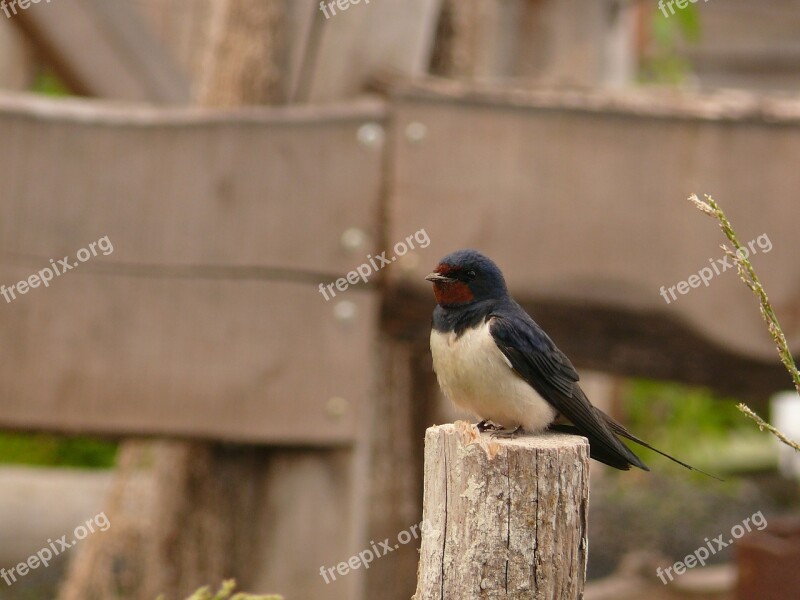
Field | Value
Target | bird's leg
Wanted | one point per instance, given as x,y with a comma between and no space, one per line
487,425
509,434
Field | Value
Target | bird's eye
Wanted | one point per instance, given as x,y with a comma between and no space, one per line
471,274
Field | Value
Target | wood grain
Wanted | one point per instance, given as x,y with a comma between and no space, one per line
368,37
503,518
580,197
199,323
103,48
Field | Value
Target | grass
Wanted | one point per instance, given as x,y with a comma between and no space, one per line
225,592
749,277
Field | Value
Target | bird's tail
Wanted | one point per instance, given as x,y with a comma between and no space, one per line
605,448
620,429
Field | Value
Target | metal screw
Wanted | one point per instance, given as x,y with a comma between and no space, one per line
371,135
353,239
416,132
337,407
344,311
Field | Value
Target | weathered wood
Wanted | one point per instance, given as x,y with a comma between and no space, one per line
745,45
182,28
390,443
103,48
200,359
503,518
187,286
352,45
17,59
257,187
273,532
572,42
597,234
302,18
245,54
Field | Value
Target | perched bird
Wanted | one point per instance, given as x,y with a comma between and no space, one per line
493,360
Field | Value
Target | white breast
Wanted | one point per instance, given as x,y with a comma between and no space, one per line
476,376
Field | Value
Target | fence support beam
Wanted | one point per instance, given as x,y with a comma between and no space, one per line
503,518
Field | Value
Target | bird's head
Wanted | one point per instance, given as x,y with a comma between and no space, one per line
465,277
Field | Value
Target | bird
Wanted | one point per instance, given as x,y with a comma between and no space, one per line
493,360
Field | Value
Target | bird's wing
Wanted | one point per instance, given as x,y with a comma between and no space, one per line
536,359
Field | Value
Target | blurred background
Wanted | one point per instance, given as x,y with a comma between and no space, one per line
231,376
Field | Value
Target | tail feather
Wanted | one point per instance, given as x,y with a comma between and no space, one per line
602,452
619,429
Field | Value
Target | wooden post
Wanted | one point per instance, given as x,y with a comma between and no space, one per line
503,518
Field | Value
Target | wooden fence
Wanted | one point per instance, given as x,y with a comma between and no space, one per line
206,322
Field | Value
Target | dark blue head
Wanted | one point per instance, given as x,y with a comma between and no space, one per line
466,276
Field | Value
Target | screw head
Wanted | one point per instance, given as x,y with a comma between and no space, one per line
353,239
371,135
416,132
337,407
345,311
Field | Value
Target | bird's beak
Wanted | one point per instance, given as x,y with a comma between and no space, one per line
438,278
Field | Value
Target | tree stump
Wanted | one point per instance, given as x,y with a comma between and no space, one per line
503,518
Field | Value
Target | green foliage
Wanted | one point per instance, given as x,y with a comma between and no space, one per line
49,84
662,63
55,451
694,425
679,410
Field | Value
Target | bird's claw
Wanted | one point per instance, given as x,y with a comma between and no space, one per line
508,433
487,425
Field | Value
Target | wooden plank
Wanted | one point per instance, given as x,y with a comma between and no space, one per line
392,456
302,44
244,361
556,42
244,59
366,38
746,45
206,319
480,39
103,48
249,188
183,28
17,60
580,199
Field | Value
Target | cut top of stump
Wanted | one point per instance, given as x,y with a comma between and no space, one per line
469,435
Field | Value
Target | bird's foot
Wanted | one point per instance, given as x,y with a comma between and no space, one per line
487,425
509,434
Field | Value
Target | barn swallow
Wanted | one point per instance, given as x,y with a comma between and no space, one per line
493,360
